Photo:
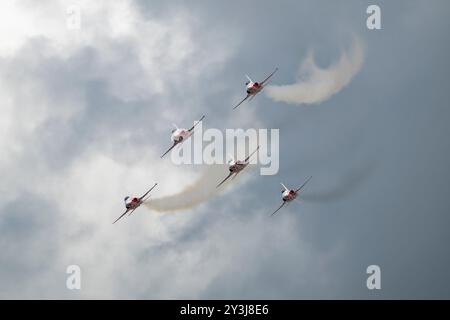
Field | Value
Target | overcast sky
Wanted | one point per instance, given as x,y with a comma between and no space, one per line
86,114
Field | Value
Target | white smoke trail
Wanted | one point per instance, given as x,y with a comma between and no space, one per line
194,194
315,84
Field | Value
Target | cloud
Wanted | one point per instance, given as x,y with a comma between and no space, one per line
315,84
84,123
86,114
83,117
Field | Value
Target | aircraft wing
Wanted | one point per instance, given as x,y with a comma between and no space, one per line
131,211
248,95
231,173
140,199
196,123
303,184
265,80
246,159
173,146
282,205
123,215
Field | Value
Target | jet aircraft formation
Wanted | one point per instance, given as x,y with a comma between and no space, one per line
179,135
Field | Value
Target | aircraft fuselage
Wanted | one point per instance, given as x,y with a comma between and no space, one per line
179,135
253,88
132,202
289,195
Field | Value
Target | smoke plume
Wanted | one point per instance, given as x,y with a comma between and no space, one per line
315,84
348,184
194,194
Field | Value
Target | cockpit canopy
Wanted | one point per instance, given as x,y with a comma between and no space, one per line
126,198
247,83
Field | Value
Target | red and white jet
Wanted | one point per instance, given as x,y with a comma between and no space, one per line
288,195
237,166
253,88
180,135
132,203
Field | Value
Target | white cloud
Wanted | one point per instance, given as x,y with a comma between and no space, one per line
64,143
141,57
45,78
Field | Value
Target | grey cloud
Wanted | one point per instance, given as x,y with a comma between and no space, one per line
394,112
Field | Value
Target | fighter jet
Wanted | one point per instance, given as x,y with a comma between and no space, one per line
288,195
132,203
253,88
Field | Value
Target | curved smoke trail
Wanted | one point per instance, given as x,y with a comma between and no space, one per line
194,194
315,84
348,183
